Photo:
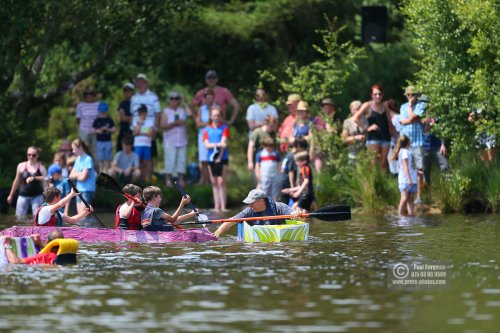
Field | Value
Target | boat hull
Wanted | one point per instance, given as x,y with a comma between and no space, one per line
290,232
99,235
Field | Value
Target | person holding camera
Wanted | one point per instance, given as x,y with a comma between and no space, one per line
411,114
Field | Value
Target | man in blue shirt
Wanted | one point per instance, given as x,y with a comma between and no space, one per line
411,114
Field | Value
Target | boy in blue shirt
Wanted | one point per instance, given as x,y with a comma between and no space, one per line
103,127
153,218
54,174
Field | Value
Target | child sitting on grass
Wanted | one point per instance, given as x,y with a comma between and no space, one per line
126,164
154,218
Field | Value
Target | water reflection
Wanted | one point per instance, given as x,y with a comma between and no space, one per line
336,282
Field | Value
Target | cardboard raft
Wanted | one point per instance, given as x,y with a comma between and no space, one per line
289,232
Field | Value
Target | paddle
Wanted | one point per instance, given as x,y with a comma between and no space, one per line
85,202
329,213
109,183
201,217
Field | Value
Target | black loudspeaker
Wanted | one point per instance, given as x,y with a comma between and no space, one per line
374,24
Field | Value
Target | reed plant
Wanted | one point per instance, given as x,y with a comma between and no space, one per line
492,185
451,191
362,184
472,185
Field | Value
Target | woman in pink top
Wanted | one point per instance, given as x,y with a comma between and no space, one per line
173,122
285,132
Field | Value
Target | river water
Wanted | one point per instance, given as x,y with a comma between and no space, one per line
335,282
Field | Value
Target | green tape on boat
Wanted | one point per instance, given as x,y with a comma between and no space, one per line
292,231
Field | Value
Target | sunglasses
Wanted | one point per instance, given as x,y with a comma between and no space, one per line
411,95
89,94
32,155
175,98
377,94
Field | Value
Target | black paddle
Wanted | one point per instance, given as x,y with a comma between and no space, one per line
201,217
85,202
329,213
109,183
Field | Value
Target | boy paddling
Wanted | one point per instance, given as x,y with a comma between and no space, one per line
49,215
154,218
127,216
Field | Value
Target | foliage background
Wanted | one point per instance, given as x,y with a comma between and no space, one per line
52,49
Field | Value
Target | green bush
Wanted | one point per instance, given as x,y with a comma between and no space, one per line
451,191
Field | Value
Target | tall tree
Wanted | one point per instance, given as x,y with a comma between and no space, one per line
48,47
458,58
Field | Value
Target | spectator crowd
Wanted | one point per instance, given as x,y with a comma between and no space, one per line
281,155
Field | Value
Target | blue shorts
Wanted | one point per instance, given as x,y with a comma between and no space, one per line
104,150
87,195
143,152
407,187
381,143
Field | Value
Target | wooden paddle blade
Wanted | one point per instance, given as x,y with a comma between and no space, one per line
107,182
333,213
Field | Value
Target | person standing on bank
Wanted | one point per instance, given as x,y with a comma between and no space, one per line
410,117
103,127
216,138
84,173
379,126
223,97
202,121
259,111
86,113
259,204
124,114
175,139
29,180
145,97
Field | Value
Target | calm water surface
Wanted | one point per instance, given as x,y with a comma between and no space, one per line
335,282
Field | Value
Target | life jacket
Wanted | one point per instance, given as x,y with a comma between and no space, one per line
305,172
56,219
66,250
271,210
132,223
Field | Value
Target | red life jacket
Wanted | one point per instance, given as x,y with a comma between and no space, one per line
133,221
55,219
